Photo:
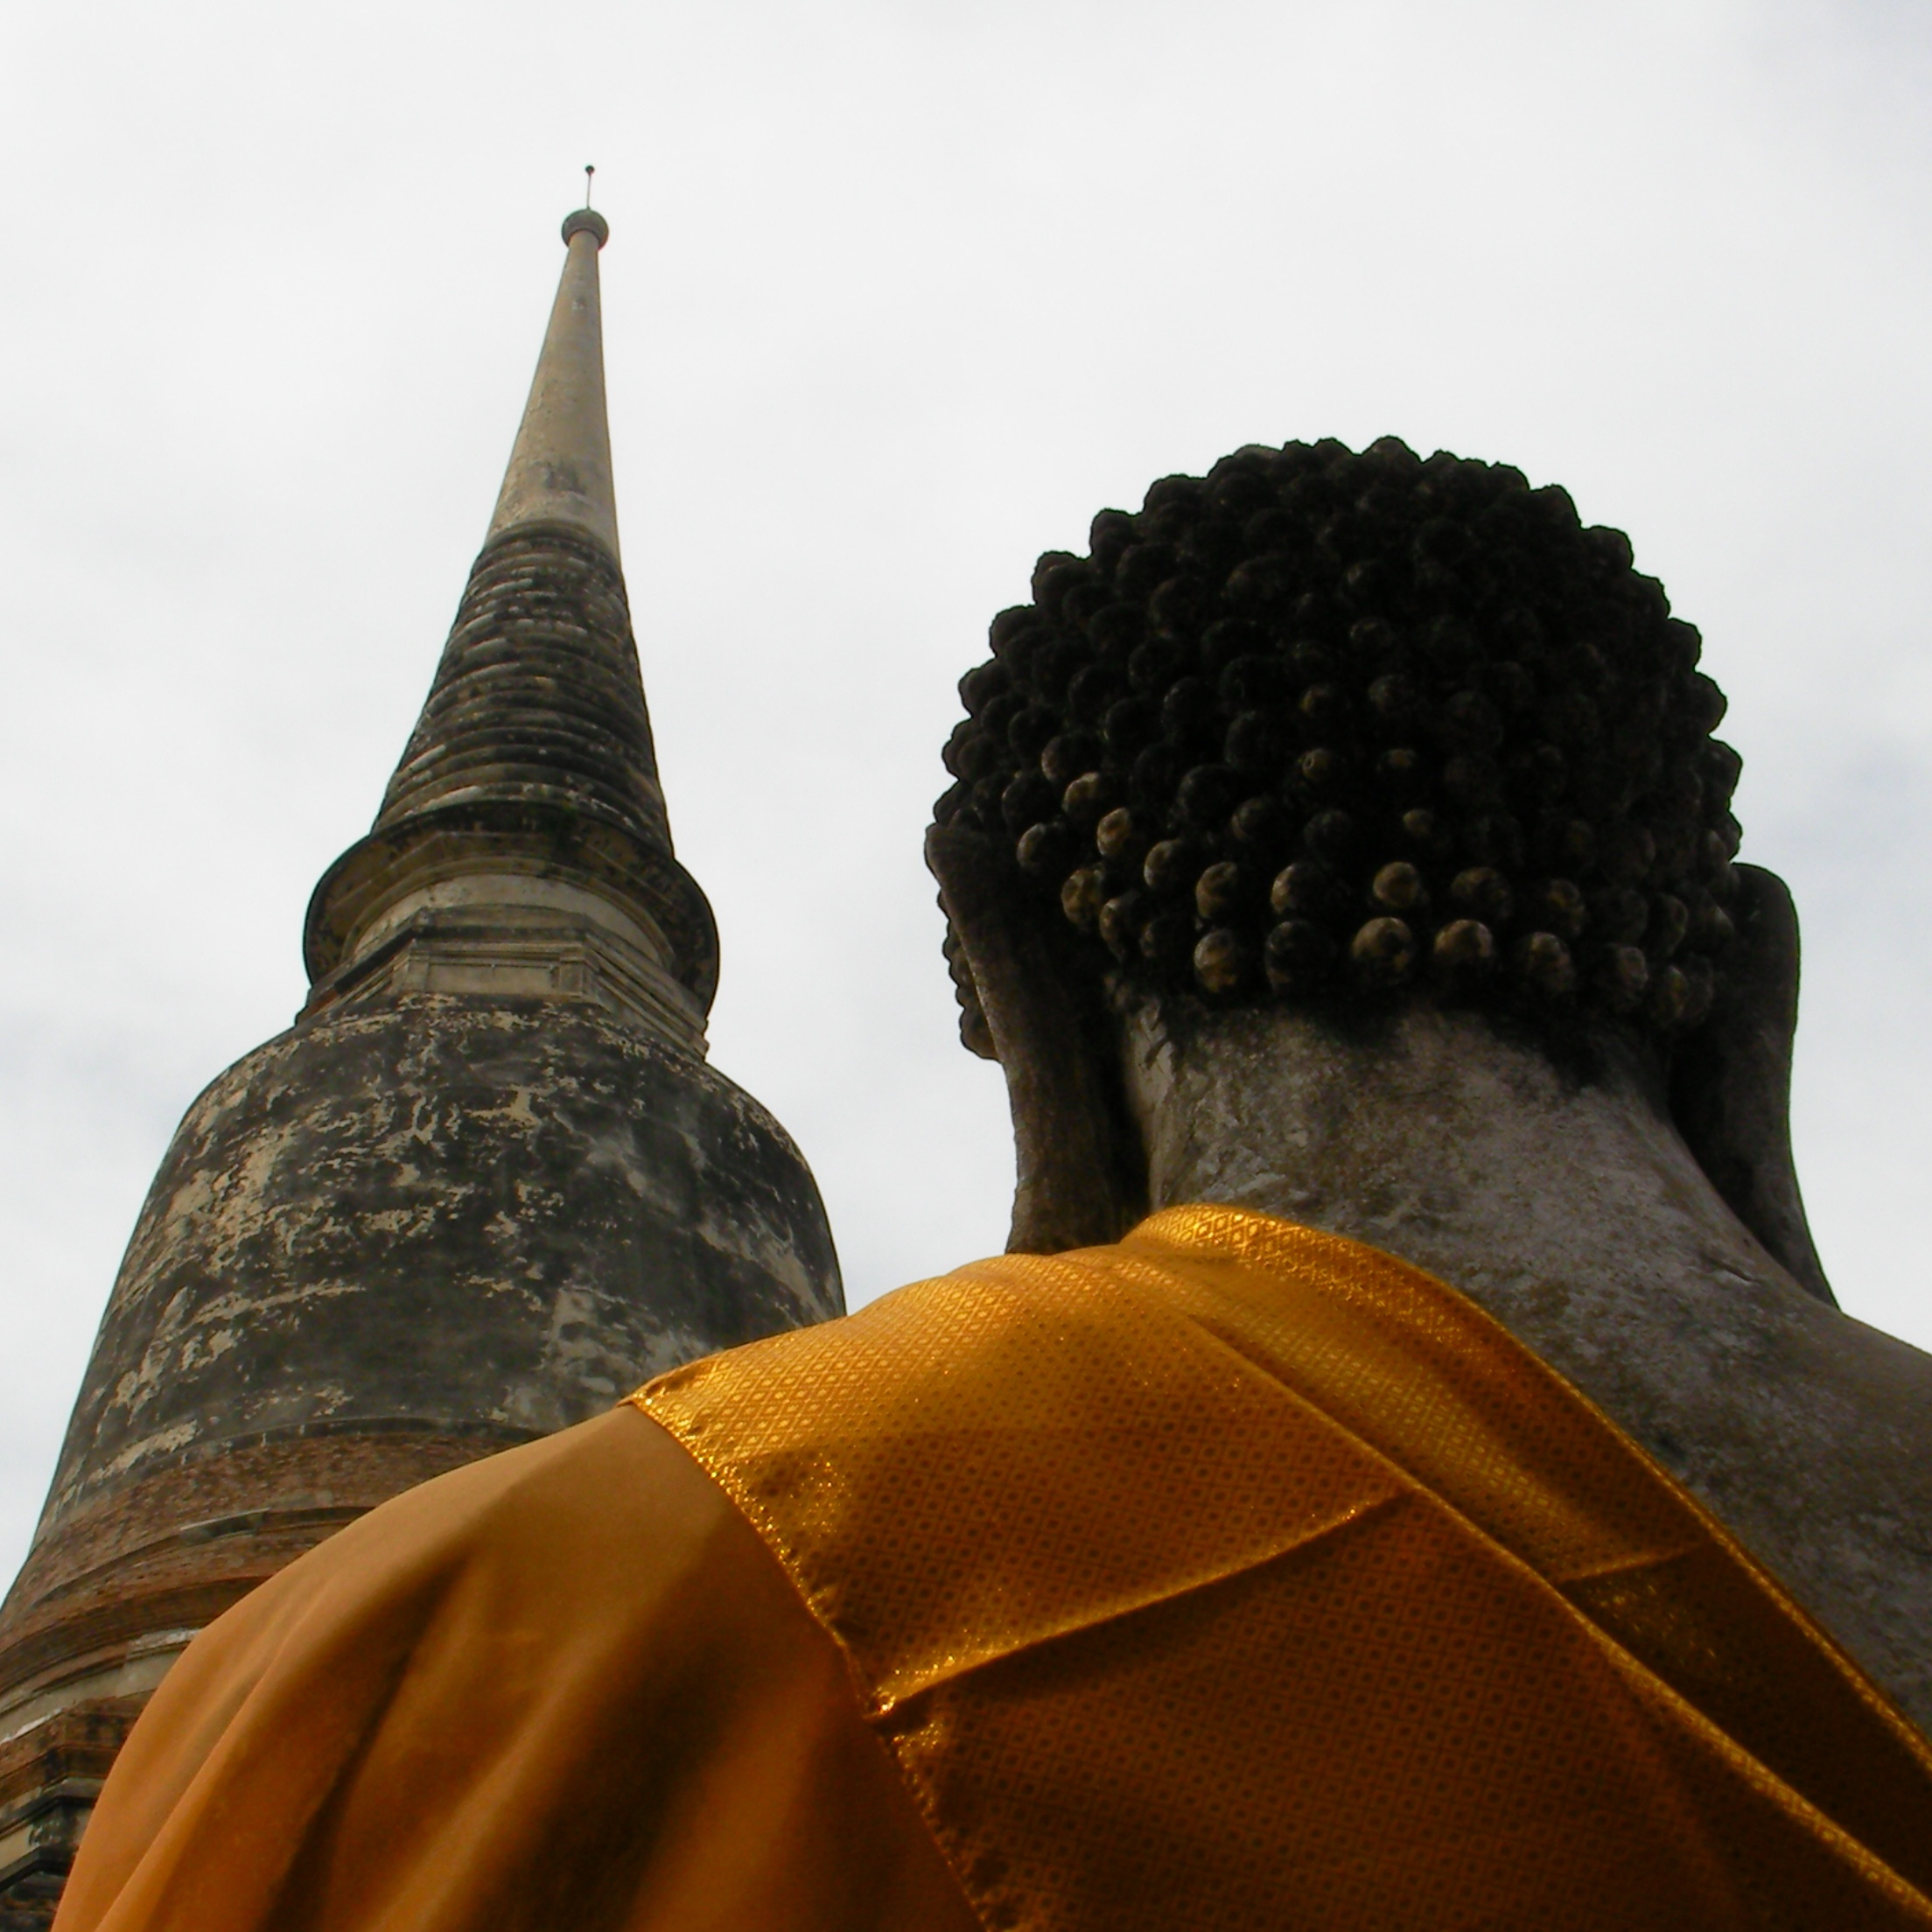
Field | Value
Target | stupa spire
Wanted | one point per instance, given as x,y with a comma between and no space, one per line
560,467
527,805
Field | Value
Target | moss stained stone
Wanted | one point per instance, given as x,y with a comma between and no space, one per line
450,1210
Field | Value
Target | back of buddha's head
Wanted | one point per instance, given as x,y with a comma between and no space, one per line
1351,729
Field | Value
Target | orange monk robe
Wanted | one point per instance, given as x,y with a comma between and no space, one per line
1237,1576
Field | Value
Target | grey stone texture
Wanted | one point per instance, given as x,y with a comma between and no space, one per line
447,1211
533,759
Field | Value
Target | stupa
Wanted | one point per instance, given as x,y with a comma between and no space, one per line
486,1184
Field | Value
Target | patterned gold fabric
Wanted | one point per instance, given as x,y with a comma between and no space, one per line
1239,1575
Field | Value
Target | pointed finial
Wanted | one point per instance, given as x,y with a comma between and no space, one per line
560,464
586,220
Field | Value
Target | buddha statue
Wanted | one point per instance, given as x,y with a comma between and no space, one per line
1344,837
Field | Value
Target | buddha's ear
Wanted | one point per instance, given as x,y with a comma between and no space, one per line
1081,1172
1731,1083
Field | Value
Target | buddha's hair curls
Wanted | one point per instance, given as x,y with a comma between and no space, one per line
1328,725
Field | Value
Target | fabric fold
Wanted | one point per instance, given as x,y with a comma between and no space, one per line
1057,1514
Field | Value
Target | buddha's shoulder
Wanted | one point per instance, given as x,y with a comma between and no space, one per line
1002,1342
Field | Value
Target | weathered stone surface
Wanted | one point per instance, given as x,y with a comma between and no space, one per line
533,752
538,695
447,1210
560,468
48,1784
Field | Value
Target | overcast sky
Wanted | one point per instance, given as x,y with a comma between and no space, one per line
896,297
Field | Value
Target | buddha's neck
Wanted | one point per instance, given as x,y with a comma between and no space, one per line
1559,1199
1562,1201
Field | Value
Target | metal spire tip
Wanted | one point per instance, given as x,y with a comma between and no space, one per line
586,220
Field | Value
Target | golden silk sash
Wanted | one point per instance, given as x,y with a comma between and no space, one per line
1242,1576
